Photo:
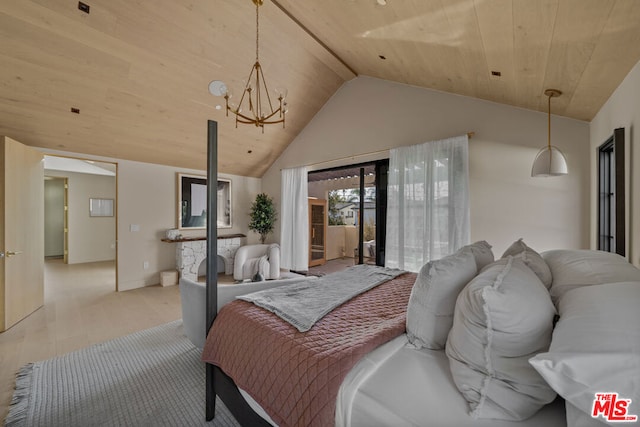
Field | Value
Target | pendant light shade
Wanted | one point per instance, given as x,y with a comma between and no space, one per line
549,161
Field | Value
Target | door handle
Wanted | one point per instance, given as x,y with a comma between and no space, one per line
12,253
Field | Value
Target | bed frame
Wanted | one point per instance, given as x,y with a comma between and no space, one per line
226,390
217,382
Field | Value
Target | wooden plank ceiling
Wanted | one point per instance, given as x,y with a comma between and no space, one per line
138,70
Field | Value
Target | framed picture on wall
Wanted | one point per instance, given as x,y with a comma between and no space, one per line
100,207
192,202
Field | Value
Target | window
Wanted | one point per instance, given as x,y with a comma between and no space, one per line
611,194
428,202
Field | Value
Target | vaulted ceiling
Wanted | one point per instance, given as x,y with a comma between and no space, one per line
138,71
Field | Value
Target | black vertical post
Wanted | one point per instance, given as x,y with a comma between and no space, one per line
361,219
382,175
212,252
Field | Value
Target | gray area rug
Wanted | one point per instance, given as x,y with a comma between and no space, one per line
150,378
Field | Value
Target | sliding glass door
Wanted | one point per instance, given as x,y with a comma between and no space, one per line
356,210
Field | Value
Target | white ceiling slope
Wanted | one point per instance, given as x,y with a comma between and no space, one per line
138,71
55,163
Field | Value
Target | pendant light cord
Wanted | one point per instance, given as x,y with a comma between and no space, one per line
549,124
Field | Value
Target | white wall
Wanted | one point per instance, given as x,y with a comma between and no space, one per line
90,238
147,197
368,115
341,241
621,110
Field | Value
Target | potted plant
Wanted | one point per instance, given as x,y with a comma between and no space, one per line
263,216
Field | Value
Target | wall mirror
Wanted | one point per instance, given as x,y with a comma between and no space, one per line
192,202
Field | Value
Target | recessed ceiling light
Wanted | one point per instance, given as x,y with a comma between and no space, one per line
84,7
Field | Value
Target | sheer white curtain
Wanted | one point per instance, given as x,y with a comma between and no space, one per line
428,202
294,217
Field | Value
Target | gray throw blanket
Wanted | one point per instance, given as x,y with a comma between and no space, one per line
302,304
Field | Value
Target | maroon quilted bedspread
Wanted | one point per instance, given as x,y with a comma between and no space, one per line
295,376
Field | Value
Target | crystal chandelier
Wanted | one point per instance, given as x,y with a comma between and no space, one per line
255,95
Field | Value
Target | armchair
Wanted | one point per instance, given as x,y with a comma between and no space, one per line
251,259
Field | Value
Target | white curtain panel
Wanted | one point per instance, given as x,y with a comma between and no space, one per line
428,202
294,216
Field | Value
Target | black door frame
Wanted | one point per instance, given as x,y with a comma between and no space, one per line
613,146
381,181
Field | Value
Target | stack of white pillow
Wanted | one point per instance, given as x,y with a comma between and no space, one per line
495,320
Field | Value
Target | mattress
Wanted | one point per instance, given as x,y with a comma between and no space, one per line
396,385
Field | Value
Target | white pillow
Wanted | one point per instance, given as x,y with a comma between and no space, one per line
595,346
433,298
502,318
482,252
532,259
573,268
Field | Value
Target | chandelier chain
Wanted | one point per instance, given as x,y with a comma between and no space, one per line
254,93
257,31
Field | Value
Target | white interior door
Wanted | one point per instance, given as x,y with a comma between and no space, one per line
21,231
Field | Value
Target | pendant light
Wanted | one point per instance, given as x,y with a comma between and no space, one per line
549,161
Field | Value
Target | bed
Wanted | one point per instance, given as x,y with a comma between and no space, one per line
394,378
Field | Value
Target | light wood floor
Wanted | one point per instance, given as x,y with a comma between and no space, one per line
332,266
81,308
